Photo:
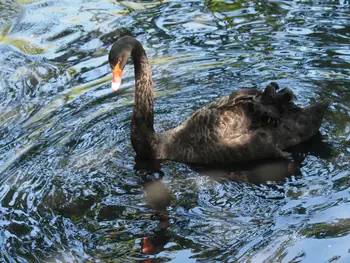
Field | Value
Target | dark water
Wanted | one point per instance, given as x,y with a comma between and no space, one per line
70,189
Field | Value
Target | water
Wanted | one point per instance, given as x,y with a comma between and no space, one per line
70,189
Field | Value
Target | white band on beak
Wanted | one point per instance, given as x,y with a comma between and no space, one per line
116,85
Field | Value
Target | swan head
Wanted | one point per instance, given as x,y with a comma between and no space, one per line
118,57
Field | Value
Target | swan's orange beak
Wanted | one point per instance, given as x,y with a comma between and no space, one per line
117,77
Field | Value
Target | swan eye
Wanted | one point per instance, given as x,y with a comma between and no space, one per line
120,60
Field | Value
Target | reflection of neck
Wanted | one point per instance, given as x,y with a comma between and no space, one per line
142,131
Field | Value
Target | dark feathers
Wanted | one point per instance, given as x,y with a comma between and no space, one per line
247,125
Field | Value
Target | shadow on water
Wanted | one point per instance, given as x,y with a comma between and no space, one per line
253,172
258,172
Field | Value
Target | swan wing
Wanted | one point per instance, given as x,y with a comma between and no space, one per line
239,127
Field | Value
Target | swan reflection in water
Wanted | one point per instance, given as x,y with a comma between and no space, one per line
261,172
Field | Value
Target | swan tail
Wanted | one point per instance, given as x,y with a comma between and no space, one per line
305,124
312,117
316,113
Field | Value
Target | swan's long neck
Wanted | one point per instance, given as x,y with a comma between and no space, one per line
143,136
144,98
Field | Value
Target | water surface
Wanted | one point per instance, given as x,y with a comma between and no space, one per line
70,188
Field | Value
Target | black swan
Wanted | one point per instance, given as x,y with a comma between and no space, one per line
247,125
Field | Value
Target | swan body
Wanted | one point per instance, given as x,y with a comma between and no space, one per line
247,125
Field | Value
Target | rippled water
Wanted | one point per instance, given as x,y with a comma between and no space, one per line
70,189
